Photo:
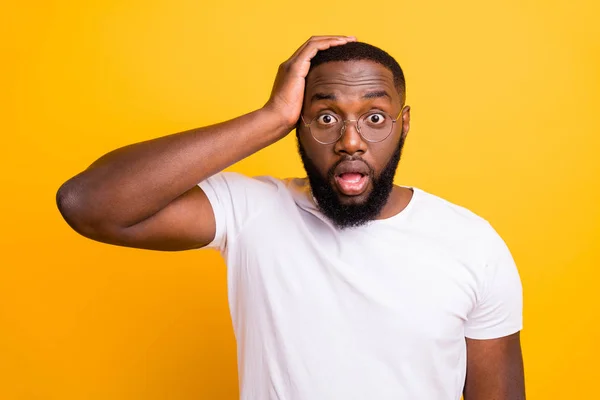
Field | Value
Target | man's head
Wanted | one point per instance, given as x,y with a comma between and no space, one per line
350,172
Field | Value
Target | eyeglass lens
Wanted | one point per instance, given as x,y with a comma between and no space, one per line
373,127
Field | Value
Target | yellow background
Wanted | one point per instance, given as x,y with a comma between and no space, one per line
505,99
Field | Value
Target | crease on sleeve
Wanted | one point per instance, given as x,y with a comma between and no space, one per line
235,199
219,242
499,310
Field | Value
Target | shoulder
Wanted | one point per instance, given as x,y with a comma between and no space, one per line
448,213
455,222
239,183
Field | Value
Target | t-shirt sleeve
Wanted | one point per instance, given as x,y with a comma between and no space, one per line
499,308
235,200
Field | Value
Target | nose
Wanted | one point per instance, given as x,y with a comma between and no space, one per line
350,142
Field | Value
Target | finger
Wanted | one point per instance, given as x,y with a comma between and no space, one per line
302,63
316,39
312,47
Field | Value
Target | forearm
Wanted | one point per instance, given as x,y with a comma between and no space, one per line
132,183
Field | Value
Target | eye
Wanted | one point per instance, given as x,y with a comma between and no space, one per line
327,119
375,119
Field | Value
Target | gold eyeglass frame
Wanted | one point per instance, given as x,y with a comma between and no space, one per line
344,121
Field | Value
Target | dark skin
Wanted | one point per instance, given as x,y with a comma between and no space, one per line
145,195
349,89
495,369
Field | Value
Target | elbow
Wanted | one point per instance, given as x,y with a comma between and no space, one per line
75,209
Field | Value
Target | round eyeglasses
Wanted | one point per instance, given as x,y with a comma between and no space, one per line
373,126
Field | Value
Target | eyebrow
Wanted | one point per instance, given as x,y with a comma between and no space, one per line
377,94
330,96
323,96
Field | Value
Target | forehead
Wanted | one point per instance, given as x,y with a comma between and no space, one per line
350,77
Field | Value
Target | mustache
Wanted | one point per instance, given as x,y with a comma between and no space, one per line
331,171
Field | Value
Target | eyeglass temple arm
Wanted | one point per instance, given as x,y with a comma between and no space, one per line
305,124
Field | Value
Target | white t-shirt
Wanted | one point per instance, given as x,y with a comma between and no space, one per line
375,312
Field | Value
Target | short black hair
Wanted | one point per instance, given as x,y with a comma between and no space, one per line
355,51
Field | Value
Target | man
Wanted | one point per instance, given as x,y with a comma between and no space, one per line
341,285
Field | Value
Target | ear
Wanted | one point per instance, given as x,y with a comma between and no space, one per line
405,121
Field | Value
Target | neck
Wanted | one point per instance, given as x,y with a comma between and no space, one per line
398,200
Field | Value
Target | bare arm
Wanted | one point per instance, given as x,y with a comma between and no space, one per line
145,195
495,369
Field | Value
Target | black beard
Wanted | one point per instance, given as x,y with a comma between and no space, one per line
351,215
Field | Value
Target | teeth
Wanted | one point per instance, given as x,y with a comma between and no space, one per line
351,177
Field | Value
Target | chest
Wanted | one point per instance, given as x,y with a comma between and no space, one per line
386,280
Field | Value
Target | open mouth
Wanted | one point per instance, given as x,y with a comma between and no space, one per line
352,183
352,177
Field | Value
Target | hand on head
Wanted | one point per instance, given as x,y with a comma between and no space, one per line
288,90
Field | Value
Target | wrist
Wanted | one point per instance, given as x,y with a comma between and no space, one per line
285,122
